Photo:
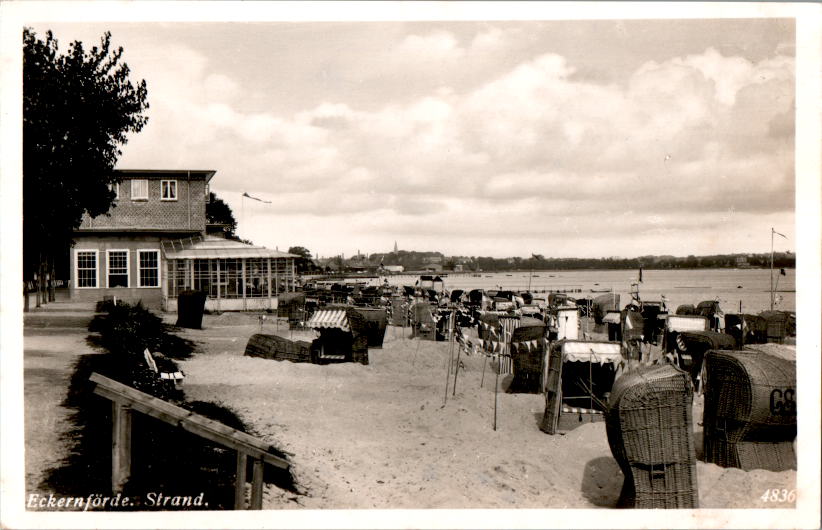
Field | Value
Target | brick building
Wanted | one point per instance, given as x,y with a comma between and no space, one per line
152,244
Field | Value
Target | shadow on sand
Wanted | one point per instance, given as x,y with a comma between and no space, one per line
602,482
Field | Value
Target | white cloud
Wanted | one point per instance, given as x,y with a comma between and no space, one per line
534,148
436,46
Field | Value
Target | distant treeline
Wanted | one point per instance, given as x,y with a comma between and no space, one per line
417,260
727,261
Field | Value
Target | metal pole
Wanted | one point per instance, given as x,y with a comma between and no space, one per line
457,368
590,382
484,362
772,268
447,373
496,385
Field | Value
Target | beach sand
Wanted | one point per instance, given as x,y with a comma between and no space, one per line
385,436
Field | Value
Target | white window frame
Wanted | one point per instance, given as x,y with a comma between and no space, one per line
135,196
159,269
116,189
96,268
108,267
172,185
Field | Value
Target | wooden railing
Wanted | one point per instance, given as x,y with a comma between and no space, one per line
124,399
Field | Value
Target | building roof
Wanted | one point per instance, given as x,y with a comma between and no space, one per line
166,173
213,247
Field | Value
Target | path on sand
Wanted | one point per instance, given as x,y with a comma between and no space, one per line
54,337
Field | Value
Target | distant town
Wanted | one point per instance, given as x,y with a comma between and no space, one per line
399,261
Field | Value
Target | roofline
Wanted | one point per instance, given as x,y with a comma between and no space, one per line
207,173
135,230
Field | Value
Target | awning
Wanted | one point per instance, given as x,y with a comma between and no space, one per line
687,323
611,317
596,352
329,318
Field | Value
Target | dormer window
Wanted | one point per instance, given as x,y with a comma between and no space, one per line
139,190
168,190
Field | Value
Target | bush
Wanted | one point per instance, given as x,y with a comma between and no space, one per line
129,329
164,458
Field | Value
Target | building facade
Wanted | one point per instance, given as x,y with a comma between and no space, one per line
152,244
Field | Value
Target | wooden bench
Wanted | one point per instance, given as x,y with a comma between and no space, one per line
124,399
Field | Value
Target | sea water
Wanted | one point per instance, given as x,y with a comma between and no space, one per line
749,288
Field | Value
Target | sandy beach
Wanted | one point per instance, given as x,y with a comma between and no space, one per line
384,435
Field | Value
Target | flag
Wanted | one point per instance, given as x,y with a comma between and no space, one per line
255,198
777,233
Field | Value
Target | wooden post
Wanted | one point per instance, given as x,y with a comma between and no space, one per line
172,273
484,362
25,296
496,385
239,483
257,485
120,446
219,279
459,351
447,370
190,274
268,282
242,275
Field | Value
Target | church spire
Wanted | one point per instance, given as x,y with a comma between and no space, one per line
395,247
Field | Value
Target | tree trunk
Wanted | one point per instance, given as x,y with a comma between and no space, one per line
52,281
44,281
25,296
37,283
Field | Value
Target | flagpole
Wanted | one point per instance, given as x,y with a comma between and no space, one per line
772,231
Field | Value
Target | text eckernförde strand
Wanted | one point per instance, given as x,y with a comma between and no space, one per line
97,501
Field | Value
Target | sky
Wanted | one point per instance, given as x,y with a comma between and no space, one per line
567,138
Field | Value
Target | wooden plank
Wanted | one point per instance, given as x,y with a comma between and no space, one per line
239,484
257,485
194,423
120,446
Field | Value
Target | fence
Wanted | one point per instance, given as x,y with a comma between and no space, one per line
124,399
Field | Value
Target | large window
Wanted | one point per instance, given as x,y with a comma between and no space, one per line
149,268
116,189
86,268
139,189
224,277
168,190
117,268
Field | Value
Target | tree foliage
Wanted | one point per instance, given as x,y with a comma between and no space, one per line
300,251
304,263
218,212
78,108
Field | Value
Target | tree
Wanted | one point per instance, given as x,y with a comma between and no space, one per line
300,251
77,110
304,263
218,212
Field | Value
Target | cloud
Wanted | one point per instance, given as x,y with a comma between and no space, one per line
683,142
436,46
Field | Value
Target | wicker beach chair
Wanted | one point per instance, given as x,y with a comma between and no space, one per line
750,410
650,431
528,356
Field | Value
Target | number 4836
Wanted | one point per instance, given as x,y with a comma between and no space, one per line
778,495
